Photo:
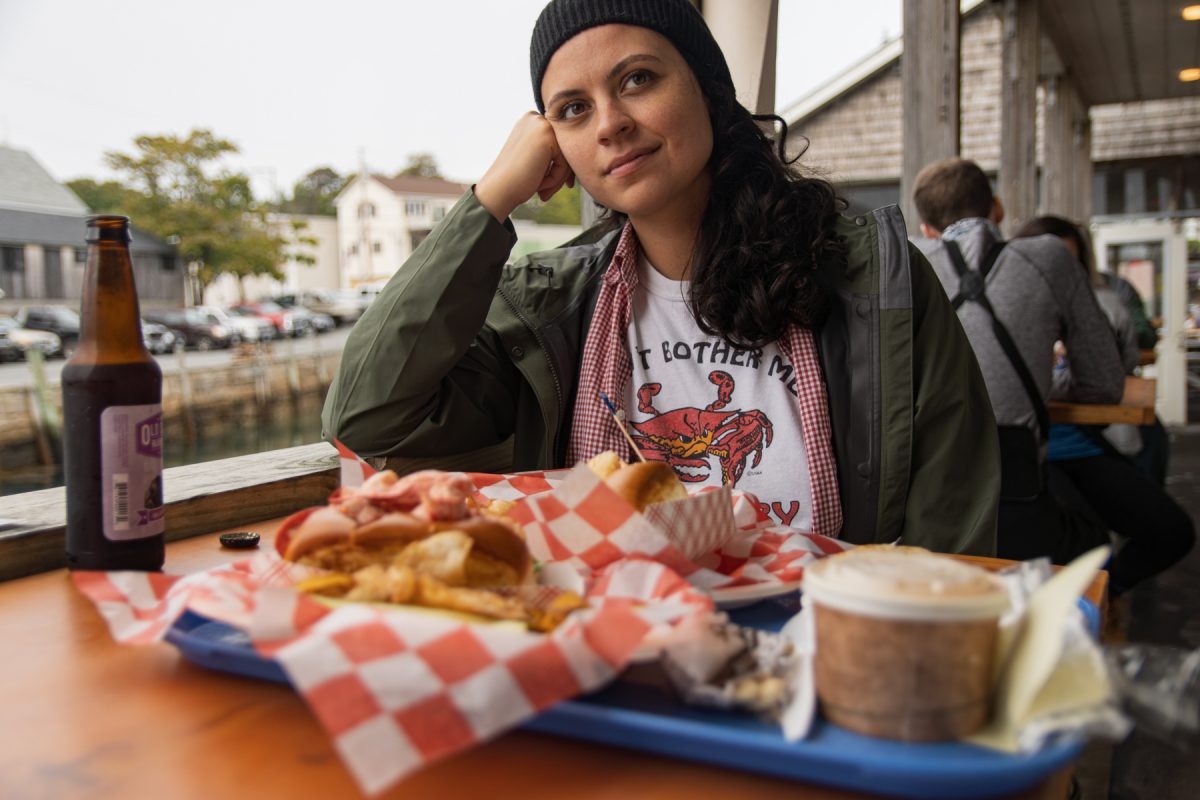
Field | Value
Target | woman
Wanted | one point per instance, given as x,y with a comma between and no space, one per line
1086,471
747,333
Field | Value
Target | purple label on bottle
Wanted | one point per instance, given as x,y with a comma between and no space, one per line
149,436
131,471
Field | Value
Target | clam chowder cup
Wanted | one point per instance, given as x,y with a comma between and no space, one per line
905,642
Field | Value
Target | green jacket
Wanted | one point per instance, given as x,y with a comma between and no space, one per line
465,361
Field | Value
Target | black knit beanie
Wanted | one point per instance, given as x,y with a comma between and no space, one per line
678,20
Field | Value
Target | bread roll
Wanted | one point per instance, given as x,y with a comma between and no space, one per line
329,539
605,464
324,527
646,483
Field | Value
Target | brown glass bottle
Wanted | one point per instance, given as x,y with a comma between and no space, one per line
112,418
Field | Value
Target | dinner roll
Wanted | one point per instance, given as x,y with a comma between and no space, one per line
645,483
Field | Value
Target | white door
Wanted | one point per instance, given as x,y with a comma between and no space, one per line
1153,257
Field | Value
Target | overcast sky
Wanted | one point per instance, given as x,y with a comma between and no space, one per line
302,84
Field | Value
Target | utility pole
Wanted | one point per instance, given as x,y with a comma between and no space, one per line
364,217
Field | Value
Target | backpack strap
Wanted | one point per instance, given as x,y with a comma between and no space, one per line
971,287
971,282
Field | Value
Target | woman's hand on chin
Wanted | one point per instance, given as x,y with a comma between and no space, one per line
530,162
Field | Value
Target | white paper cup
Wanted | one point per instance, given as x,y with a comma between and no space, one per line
906,641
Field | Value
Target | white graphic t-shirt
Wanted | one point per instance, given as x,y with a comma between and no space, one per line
715,412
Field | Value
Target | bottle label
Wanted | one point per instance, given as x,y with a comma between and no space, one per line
131,471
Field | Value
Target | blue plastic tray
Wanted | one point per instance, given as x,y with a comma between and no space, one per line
641,716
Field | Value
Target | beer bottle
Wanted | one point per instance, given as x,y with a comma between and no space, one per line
112,418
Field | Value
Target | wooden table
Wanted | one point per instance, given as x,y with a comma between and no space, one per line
1136,407
84,717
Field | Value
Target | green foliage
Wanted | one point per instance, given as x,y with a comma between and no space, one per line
315,193
102,198
563,208
180,189
423,165
298,237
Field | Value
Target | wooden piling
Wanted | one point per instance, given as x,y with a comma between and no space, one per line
293,372
45,415
185,392
322,369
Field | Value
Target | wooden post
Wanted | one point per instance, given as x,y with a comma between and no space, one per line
1067,169
1058,178
930,72
1020,51
1081,149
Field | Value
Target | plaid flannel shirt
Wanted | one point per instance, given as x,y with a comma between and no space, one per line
607,367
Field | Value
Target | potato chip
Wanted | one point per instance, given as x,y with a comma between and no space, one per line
442,556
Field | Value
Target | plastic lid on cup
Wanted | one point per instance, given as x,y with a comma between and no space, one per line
904,583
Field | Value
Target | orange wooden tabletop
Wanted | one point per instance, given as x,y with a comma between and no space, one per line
1136,407
84,717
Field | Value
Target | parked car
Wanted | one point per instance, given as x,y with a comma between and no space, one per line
158,339
195,328
16,341
306,321
343,306
10,350
286,321
322,323
249,328
62,322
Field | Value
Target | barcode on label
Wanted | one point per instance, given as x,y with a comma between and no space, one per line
121,502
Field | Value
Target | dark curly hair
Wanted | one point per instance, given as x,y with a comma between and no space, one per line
766,247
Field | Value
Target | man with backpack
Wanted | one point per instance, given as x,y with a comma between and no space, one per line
1015,300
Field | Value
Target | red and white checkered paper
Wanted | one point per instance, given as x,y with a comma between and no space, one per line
398,688
572,516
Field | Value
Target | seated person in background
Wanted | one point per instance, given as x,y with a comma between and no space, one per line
1088,473
1147,446
750,334
1146,335
1015,300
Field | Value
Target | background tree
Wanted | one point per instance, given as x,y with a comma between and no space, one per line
423,165
315,193
108,197
181,189
563,208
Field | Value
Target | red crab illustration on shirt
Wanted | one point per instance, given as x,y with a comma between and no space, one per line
687,438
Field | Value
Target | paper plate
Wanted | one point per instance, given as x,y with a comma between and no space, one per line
739,596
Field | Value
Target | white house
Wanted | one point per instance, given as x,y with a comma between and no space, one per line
382,220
